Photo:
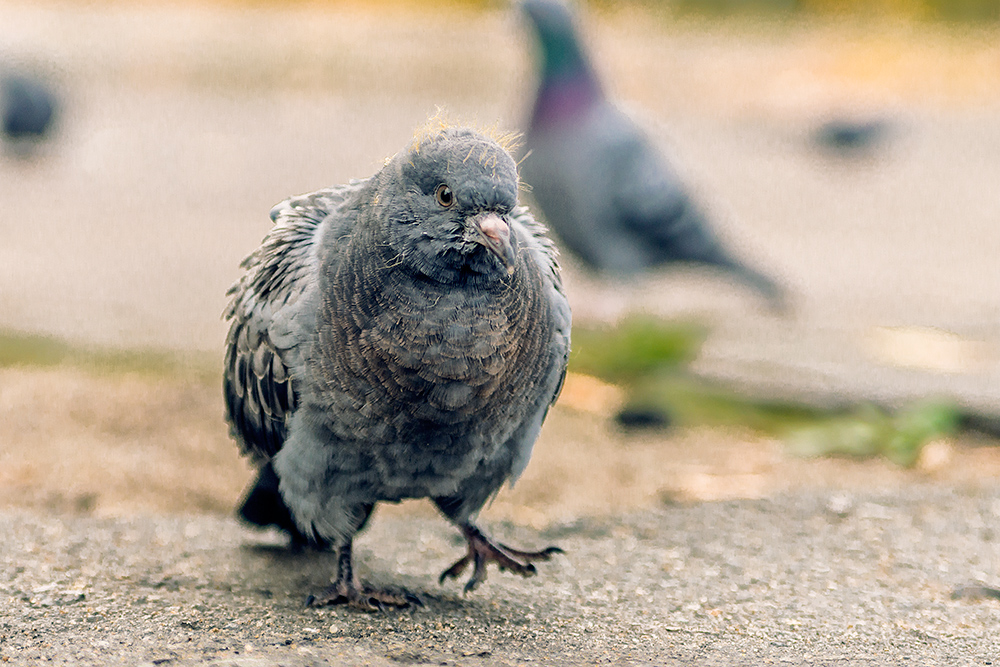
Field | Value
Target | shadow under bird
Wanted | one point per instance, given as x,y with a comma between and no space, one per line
610,196
401,336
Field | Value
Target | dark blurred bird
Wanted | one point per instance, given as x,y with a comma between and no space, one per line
611,197
852,136
401,336
29,108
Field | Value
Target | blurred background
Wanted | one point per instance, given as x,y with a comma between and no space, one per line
851,150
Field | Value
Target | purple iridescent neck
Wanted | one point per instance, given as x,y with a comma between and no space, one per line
565,97
568,87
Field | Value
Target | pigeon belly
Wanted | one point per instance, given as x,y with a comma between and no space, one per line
425,383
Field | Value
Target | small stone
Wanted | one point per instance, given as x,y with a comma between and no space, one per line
840,504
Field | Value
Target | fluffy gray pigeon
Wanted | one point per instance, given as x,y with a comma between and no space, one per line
401,336
611,197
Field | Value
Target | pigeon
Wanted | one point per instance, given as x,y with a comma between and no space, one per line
609,195
401,336
28,107
849,136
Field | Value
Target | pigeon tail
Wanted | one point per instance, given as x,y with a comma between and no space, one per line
774,294
692,240
263,506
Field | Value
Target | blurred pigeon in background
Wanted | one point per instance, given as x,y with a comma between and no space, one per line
29,108
852,136
612,199
399,337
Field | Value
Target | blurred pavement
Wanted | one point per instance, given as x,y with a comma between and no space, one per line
183,126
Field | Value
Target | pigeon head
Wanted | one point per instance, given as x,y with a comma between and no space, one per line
568,84
445,203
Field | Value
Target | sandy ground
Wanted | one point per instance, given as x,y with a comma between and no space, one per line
79,442
185,124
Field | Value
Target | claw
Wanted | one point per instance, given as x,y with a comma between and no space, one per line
482,552
544,554
347,590
456,569
363,597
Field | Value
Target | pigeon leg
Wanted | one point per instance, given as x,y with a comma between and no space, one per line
483,552
348,590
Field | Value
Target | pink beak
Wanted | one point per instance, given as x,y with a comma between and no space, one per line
494,234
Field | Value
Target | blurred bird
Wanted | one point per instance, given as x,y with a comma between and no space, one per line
401,336
852,136
610,196
29,108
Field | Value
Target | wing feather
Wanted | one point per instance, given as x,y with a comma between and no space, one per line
271,320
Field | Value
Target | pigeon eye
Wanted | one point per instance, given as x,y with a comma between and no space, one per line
444,196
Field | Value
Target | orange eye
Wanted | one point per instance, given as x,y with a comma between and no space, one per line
444,196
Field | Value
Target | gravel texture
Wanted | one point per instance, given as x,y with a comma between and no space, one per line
802,579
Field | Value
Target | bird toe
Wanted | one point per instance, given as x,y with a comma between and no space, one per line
363,598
